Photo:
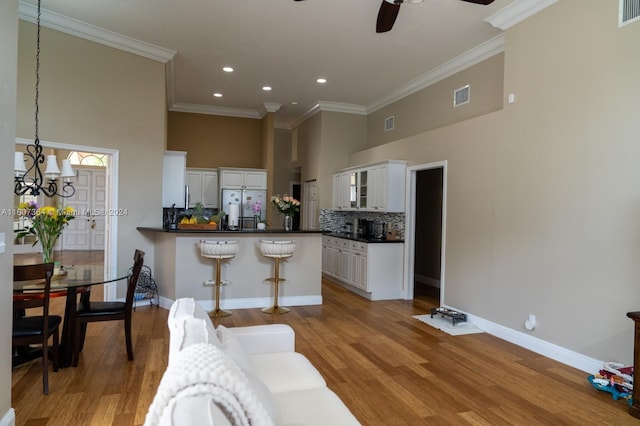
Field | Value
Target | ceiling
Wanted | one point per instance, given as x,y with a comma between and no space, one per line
284,44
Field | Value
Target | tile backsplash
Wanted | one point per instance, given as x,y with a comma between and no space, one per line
335,221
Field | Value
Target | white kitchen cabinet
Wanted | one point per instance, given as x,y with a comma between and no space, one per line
373,270
336,258
174,166
342,191
203,187
243,178
377,187
359,264
387,187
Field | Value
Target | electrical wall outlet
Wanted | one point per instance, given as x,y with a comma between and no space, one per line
530,324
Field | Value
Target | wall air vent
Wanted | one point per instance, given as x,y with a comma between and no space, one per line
461,96
629,12
389,123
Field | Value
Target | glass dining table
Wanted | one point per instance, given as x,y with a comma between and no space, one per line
72,280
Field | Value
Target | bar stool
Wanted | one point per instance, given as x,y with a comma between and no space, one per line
277,250
219,251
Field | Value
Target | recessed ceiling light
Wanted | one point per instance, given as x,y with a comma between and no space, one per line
266,88
217,95
227,69
294,103
321,80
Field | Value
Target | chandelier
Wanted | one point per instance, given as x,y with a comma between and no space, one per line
32,180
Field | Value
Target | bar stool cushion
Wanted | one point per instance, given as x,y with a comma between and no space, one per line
277,248
218,249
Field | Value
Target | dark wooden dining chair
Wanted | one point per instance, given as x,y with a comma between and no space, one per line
36,329
93,311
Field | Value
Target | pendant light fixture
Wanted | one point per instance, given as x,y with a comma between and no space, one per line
32,181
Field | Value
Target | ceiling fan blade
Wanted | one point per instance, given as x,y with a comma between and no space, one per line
484,2
387,16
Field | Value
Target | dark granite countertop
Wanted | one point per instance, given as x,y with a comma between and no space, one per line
211,231
354,237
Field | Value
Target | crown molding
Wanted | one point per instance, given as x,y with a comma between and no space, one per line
269,107
215,110
476,55
282,125
28,12
516,12
326,106
341,107
308,113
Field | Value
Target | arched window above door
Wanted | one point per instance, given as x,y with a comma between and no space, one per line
79,158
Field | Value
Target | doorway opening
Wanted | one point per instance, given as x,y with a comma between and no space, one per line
425,231
296,192
108,243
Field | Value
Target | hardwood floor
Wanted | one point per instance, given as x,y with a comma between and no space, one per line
387,367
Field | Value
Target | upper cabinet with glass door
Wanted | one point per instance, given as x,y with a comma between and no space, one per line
376,187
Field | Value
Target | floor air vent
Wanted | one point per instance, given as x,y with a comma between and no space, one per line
629,11
461,96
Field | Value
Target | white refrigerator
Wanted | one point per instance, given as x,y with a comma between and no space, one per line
250,203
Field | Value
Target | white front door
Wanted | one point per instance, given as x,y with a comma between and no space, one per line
87,230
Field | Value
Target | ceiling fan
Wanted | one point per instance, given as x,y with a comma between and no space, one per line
389,12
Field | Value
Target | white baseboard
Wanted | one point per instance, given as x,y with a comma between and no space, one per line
9,418
250,303
433,282
539,346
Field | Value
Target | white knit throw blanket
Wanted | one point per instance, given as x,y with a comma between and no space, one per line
203,369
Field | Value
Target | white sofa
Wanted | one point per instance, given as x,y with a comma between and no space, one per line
239,376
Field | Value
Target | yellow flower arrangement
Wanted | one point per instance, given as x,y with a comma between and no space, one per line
46,224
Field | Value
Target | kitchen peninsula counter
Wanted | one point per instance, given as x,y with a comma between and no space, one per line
224,232
180,270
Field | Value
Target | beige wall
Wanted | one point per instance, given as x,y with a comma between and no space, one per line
284,173
8,77
324,143
96,96
216,141
543,196
433,107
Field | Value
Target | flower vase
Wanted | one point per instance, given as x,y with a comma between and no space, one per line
47,242
47,254
288,222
